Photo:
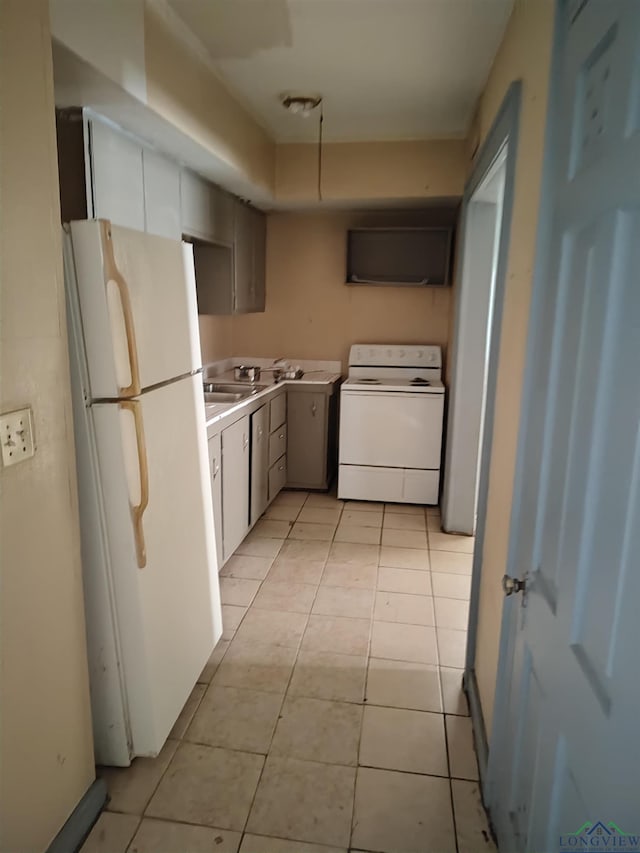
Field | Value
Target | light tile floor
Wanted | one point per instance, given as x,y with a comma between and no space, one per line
330,716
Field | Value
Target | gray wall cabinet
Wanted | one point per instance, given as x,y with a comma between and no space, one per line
250,242
231,277
311,439
207,212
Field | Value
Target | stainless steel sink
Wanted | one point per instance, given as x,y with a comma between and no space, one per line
222,397
230,392
243,388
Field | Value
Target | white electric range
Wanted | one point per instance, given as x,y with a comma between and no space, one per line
391,410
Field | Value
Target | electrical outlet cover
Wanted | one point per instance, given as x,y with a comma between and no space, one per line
16,436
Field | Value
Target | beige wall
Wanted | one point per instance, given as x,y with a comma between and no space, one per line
311,313
358,171
525,54
46,750
183,90
215,337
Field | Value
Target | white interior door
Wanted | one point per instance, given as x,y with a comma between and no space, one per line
394,430
565,752
167,603
138,305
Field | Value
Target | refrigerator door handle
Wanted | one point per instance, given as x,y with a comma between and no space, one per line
115,276
137,511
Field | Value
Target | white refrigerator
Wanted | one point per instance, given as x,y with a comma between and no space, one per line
150,570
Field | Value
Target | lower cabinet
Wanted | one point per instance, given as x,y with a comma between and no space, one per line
248,467
235,484
259,462
277,455
215,472
311,437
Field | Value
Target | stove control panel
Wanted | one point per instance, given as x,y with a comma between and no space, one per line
394,355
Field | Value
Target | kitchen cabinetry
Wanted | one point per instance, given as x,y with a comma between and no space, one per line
249,260
259,462
207,212
161,195
107,174
231,278
311,436
116,176
277,456
215,472
235,484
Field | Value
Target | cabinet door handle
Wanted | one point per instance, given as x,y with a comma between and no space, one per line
314,409
245,442
281,435
281,468
259,432
216,468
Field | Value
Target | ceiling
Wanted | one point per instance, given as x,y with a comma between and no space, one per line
387,69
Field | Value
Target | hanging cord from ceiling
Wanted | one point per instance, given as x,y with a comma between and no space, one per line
320,123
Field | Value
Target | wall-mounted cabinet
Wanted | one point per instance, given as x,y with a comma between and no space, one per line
249,268
417,256
207,211
230,256
106,174
161,195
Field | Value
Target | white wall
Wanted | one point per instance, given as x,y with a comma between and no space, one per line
110,36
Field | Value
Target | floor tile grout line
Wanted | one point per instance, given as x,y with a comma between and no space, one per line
135,832
298,649
284,699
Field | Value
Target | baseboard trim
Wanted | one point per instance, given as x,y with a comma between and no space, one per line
82,818
470,686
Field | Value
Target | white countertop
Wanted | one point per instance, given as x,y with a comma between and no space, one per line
216,412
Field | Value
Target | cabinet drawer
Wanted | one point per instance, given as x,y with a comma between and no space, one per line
277,412
277,477
277,444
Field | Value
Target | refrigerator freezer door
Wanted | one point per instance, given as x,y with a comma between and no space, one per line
167,609
138,306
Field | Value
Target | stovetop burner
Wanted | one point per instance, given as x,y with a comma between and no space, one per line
369,381
419,381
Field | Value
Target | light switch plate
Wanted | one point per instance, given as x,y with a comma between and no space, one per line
16,436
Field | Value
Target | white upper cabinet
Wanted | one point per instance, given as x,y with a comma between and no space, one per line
195,205
117,176
107,174
161,195
131,185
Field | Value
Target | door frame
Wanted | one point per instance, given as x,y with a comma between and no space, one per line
504,131
474,306
509,620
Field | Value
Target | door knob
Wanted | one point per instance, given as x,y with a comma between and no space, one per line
511,585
